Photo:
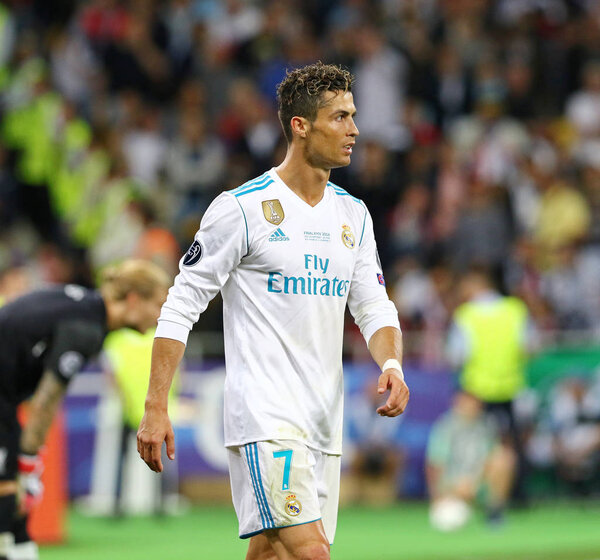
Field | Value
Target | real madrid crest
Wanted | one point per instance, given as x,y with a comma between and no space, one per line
347,236
293,506
273,211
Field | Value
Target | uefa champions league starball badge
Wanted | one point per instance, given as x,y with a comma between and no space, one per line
347,237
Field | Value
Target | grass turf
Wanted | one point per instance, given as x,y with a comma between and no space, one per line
557,532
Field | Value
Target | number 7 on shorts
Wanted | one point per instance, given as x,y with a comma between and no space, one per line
286,466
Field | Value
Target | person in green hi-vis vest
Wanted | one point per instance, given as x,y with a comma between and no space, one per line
127,355
488,342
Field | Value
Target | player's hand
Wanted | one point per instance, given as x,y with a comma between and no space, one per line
391,380
30,488
155,428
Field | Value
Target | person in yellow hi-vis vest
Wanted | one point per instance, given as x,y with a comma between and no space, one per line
488,342
128,354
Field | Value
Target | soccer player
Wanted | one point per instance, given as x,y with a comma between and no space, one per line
288,250
46,337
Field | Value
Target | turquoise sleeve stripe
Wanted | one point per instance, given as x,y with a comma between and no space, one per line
341,192
255,486
255,188
246,222
248,184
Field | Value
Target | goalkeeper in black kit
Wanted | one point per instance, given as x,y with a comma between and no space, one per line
46,337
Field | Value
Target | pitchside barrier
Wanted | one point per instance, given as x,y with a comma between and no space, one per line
93,428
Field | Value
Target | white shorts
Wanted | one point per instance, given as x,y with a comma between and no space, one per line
283,483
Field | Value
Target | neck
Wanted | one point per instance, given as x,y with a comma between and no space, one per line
306,181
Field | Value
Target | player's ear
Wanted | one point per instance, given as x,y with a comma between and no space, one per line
299,126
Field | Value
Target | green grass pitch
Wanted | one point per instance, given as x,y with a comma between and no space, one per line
557,532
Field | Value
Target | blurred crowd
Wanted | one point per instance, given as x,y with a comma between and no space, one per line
120,121
479,120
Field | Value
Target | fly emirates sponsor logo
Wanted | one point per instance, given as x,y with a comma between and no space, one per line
313,283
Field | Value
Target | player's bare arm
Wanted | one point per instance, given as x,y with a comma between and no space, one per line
155,427
386,344
44,404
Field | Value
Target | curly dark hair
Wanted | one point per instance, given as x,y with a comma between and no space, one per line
301,91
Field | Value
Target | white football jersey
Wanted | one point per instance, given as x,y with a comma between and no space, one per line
286,271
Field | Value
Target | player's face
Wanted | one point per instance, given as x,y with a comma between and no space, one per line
143,313
331,136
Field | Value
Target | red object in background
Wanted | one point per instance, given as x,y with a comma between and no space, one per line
47,521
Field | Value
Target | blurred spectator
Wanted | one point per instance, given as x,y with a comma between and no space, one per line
464,458
422,297
145,149
156,243
379,91
488,342
376,461
563,286
449,191
233,22
523,279
180,20
575,416
74,66
246,125
127,358
414,293
374,180
135,56
9,206
564,215
483,231
583,106
194,170
409,222
451,90
7,43
590,186
519,100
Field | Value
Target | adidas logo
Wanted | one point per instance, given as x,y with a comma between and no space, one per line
278,235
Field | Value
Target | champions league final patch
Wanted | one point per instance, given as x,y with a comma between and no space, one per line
193,255
380,279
